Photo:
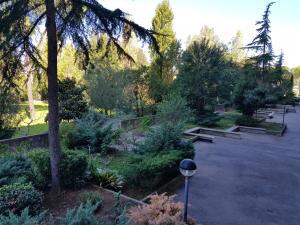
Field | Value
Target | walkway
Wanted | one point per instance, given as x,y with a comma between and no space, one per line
252,181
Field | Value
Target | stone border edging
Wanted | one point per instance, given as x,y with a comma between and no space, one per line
258,130
209,131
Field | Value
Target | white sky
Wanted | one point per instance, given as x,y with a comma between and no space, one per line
226,17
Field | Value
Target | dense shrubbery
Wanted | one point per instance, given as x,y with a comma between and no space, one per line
247,121
88,135
164,138
15,169
73,166
16,197
23,219
174,110
209,119
151,170
84,214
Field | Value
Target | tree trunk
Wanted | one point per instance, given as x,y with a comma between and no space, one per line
53,120
29,84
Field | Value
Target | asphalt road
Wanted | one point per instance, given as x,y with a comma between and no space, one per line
252,181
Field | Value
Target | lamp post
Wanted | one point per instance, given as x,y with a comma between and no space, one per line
187,168
283,116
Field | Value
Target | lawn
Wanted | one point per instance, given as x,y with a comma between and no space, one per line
227,120
38,126
274,127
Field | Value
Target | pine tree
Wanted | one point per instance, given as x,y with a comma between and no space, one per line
73,20
262,44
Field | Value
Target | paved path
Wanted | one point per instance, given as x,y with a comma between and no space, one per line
252,181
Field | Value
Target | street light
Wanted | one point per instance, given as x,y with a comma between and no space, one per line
187,168
283,116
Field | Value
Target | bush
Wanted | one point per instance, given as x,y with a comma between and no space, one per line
151,170
174,110
88,135
16,197
107,178
72,104
83,215
247,121
209,119
103,138
73,166
23,219
162,210
15,169
165,137
92,197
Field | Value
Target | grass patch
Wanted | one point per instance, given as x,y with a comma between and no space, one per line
227,120
33,130
37,126
274,127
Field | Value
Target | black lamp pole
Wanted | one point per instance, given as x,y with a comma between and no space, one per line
188,169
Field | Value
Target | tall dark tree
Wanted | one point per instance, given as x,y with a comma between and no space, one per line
75,20
262,44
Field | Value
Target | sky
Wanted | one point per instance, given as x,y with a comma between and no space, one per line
226,17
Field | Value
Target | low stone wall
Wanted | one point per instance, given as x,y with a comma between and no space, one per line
257,130
215,132
34,141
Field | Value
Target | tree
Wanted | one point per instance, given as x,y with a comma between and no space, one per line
262,44
164,63
206,33
237,52
75,21
72,104
200,76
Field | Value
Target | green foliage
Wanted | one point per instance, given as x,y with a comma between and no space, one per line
73,166
9,118
247,121
262,44
15,169
72,104
249,100
23,219
204,76
92,197
174,110
83,215
162,24
88,135
103,138
209,119
16,197
165,137
151,170
107,178
165,62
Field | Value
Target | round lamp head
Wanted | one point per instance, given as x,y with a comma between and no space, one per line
187,167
